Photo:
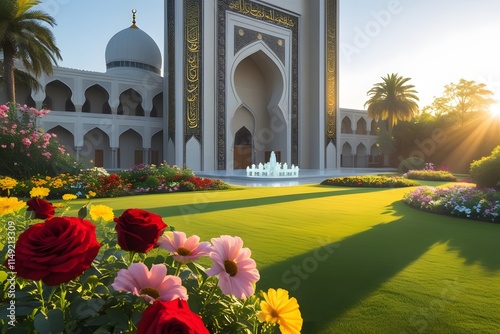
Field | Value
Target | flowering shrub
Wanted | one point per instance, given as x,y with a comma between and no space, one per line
165,178
373,181
412,163
430,175
27,150
132,273
459,201
486,171
142,179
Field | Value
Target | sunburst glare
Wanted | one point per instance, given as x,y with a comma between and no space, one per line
495,110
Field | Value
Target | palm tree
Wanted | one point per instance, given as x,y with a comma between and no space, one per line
20,77
24,36
392,100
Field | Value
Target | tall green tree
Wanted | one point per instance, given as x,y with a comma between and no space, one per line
460,100
392,100
25,35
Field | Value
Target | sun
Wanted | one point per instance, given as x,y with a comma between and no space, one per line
495,110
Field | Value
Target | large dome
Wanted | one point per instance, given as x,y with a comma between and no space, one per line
133,48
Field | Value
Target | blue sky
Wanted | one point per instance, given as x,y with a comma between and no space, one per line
433,42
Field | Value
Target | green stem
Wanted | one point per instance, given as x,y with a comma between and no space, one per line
178,270
210,296
63,296
132,255
39,286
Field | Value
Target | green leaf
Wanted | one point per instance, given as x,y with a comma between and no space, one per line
52,324
82,213
158,259
117,316
101,320
85,308
26,308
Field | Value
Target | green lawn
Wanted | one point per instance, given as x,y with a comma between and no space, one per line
357,259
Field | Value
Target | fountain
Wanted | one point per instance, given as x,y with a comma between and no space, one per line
272,169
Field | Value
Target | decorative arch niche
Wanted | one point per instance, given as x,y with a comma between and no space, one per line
58,97
130,103
346,126
96,100
347,159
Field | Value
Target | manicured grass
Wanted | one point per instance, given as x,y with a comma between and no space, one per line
357,259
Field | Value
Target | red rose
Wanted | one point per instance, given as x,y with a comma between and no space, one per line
56,251
139,230
42,208
170,317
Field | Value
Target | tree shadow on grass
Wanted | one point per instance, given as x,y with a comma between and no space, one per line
330,280
204,205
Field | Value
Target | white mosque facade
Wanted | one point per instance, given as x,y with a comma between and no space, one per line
242,78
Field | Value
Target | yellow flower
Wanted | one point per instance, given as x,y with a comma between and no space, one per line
92,194
57,183
10,205
39,192
101,212
39,183
279,308
7,183
69,197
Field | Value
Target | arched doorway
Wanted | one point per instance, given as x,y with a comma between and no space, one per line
242,148
259,89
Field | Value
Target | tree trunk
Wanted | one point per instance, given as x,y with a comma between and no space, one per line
8,73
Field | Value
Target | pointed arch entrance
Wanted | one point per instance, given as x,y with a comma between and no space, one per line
242,148
259,104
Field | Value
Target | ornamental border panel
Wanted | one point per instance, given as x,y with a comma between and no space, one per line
269,15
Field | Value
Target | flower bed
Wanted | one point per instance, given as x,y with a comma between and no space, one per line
97,273
373,181
430,175
459,201
141,179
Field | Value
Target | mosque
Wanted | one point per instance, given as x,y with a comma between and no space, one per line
242,78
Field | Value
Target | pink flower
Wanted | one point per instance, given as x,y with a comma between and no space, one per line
26,142
236,270
184,249
151,285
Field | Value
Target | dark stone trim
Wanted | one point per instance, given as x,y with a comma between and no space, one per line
171,68
193,69
331,72
245,36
